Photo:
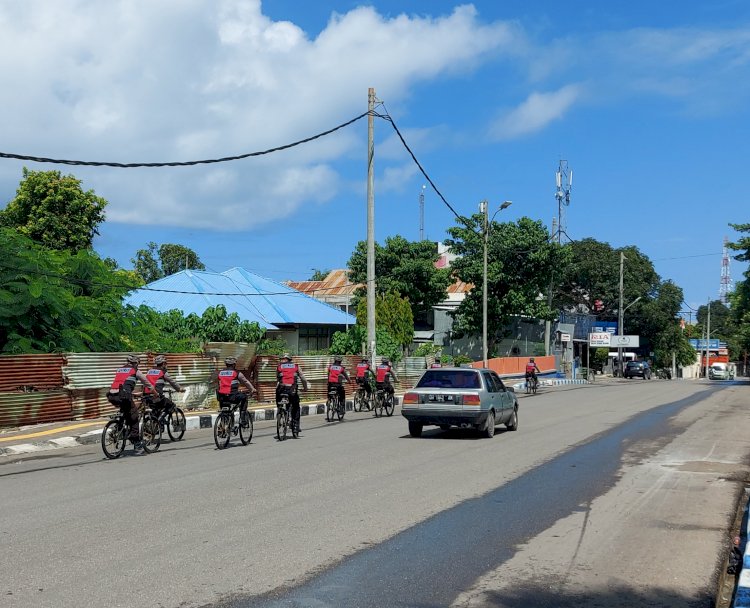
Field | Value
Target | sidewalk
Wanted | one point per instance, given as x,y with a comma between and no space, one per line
44,437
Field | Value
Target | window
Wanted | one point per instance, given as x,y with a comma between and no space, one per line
437,378
489,382
314,338
498,382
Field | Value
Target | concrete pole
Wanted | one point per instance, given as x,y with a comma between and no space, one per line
371,224
620,313
485,209
708,337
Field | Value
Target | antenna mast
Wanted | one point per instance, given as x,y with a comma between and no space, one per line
421,214
564,182
725,283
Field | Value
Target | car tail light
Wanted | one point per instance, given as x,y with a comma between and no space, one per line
472,400
411,399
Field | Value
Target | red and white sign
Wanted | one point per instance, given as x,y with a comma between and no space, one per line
600,339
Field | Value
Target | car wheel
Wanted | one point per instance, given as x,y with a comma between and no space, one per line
415,429
489,428
512,424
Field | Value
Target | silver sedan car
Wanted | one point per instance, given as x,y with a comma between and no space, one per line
463,397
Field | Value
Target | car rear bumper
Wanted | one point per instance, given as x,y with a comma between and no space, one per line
439,417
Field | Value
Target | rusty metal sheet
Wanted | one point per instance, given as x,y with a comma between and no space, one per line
244,352
17,409
90,403
92,370
35,372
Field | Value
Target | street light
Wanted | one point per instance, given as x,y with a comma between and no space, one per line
620,330
484,209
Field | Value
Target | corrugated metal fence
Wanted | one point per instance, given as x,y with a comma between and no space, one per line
73,386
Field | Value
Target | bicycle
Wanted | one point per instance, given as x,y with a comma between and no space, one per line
117,432
283,418
531,385
383,402
173,418
334,406
224,426
362,399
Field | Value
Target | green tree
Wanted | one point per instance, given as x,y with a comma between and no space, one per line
350,343
319,275
154,263
740,298
406,268
520,268
392,313
593,273
52,301
54,211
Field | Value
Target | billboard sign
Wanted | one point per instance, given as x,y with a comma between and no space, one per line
625,341
564,337
713,344
600,339
600,327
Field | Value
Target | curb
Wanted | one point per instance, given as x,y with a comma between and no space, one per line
555,382
193,422
742,594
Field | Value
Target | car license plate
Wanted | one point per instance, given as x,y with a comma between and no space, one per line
441,398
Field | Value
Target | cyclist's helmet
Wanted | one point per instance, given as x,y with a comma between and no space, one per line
384,360
160,360
337,359
531,360
286,356
133,359
230,361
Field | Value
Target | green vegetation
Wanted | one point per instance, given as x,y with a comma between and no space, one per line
155,263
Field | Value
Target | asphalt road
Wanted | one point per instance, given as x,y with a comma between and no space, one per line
607,495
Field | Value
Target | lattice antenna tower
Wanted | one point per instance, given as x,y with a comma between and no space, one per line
564,181
725,283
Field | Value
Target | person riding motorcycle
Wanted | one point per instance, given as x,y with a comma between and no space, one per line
383,374
531,370
337,373
229,392
364,374
121,393
154,390
288,374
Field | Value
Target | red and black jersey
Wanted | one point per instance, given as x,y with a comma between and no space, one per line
286,373
382,373
362,369
228,381
156,379
125,378
334,373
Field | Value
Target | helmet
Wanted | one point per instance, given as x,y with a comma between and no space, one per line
133,359
365,359
160,360
384,360
531,360
286,356
230,361
337,359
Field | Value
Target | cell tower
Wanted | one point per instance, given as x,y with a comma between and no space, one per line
564,180
421,213
725,283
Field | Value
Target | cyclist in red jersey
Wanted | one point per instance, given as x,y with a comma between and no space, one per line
158,377
337,373
229,386
121,393
288,375
531,370
383,374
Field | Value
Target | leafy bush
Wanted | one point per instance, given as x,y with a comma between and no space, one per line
427,349
461,359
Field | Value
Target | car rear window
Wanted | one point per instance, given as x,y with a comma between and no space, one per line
453,378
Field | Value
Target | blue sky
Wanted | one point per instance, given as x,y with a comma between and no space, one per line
648,102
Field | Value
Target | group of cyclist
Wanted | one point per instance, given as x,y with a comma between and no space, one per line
288,378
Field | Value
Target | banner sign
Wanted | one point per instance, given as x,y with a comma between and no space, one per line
600,339
625,341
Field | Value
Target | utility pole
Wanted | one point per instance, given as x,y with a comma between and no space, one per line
620,313
484,205
371,223
708,336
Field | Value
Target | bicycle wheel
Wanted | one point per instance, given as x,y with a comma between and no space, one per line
528,388
378,405
176,424
246,427
340,409
389,405
282,422
294,425
534,386
329,410
150,434
357,400
114,438
222,430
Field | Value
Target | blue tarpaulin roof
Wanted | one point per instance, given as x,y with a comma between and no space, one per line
252,297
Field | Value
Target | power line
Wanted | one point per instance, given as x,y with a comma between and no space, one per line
96,163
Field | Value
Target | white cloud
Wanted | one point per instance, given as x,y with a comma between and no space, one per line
535,113
136,80
396,178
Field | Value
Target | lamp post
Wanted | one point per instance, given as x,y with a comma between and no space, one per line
622,319
484,209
